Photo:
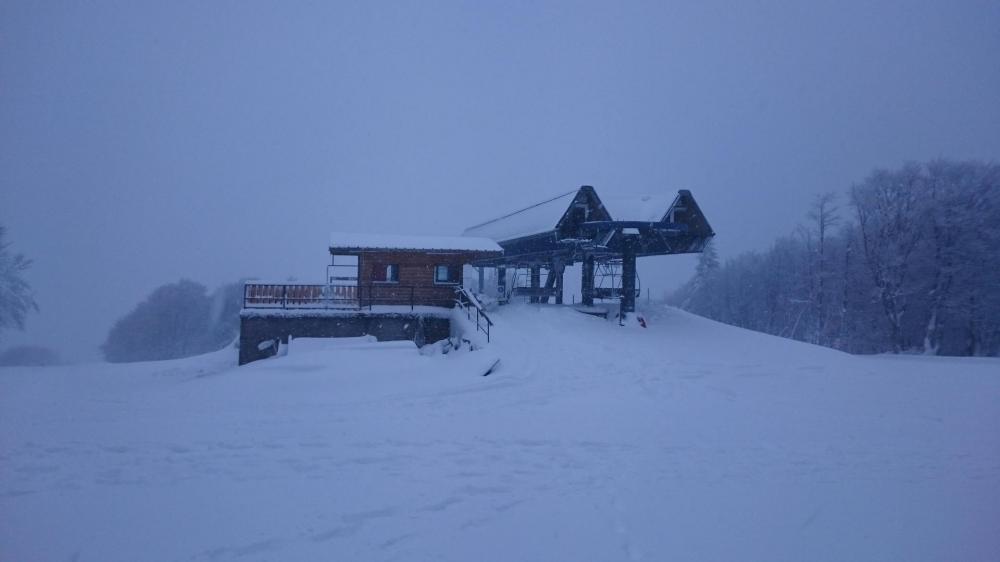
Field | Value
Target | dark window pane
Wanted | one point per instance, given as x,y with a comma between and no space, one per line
444,274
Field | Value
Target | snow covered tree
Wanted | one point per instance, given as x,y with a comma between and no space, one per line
859,326
824,217
16,299
916,271
962,241
930,235
889,214
700,295
170,323
224,315
708,262
177,320
969,243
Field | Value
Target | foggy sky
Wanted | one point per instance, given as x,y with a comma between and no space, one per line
141,144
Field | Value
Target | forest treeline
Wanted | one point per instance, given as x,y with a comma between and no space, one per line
176,320
905,261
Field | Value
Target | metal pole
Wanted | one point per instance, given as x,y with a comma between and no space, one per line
587,282
536,282
501,283
628,276
560,271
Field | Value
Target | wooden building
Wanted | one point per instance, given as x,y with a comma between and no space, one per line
403,287
391,286
404,270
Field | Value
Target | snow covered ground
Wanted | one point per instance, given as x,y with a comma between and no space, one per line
688,440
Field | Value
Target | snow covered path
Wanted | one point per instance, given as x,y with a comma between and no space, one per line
688,440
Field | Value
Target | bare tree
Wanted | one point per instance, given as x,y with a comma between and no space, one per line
918,267
824,216
886,206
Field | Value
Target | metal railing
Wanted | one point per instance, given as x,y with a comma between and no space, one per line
467,302
297,296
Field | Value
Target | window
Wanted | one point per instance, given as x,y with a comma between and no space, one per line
388,273
445,274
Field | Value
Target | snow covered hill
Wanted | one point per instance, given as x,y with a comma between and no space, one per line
689,440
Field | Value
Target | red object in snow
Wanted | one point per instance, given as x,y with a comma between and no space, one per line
642,320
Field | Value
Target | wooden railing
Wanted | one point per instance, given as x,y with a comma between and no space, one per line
295,296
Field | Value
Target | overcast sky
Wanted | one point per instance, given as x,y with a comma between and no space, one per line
144,143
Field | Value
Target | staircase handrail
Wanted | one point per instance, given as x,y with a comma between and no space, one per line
465,300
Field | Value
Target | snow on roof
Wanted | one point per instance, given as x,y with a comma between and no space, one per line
408,242
540,217
544,216
644,208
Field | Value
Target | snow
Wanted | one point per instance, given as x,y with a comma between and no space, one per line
536,219
639,208
689,440
312,345
374,310
352,240
544,216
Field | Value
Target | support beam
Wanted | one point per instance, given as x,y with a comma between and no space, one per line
501,283
536,280
559,275
628,276
550,283
482,279
587,281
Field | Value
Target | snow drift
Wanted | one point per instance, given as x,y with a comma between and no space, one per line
689,440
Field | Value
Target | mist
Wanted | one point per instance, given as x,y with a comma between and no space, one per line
145,143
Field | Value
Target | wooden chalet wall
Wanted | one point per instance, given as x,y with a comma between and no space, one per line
416,276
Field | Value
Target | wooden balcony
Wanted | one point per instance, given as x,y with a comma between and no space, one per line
347,297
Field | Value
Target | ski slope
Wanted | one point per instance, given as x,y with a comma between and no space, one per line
689,440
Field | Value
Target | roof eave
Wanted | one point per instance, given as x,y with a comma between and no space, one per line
368,249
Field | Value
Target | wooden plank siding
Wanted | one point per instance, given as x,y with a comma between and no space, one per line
416,271
414,285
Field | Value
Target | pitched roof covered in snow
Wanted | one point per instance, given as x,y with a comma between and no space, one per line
351,241
638,208
547,215
579,223
535,219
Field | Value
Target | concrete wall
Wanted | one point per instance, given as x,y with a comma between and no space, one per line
385,327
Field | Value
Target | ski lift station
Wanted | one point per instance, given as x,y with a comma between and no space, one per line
606,237
397,287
